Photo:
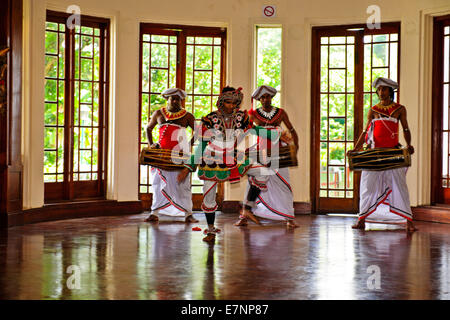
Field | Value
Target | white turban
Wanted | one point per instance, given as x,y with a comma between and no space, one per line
174,92
258,93
385,82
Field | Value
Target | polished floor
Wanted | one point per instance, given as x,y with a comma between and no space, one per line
127,258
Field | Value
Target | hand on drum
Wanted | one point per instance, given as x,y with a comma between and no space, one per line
155,146
183,174
410,149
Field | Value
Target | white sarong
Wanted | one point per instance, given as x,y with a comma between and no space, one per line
276,202
384,196
170,197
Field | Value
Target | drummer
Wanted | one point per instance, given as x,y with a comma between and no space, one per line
275,203
384,196
170,197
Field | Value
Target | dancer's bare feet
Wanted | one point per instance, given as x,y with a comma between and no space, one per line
410,226
190,219
152,218
249,215
242,222
210,237
361,224
291,224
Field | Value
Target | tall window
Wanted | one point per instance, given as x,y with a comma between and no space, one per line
440,183
76,89
190,58
346,60
268,59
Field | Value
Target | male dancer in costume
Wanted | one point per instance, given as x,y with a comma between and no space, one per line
169,196
275,203
221,132
387,187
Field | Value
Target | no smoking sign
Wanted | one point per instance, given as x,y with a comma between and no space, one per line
269,11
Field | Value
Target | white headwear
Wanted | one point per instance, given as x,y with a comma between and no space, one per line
258,93
174,92
385,82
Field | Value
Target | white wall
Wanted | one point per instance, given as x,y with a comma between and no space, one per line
239,16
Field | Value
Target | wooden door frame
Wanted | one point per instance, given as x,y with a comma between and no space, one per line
70,190
11,167
436,194
183,31
340,30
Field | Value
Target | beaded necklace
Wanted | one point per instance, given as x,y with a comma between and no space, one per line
173,115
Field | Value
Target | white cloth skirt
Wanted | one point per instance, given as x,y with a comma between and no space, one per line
276,202
384,196
171,197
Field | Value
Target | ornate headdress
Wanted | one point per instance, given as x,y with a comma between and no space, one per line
236,96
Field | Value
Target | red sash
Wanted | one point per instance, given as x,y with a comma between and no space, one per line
385,133
168,136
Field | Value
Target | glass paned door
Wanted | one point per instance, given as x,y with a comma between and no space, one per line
440,177
191,58
346,60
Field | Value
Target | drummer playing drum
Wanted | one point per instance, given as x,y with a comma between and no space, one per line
171,197
276,202
385,189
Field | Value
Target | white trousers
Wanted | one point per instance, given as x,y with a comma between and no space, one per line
257,175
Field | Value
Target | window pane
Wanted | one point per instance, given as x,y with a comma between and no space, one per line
268,58
337,105
160,55
203,56
337,56
337,80
380,55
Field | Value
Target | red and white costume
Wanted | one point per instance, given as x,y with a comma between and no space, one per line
275,202
384,196
171,197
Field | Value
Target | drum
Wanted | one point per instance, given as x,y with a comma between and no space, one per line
163,159
286,157
378,159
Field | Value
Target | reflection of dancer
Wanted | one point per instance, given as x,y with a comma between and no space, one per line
209,283
221,132
169,196
168,241
395,257
387,187
275,203
269,254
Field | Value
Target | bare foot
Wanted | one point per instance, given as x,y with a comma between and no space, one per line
410,226
291,224
190,219
152,218
249,215
210,237
361,224
241,223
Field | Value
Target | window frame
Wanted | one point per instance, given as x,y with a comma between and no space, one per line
438,194
183,32
255,59
341,204
70,190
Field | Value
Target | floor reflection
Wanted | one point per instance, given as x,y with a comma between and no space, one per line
127,258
